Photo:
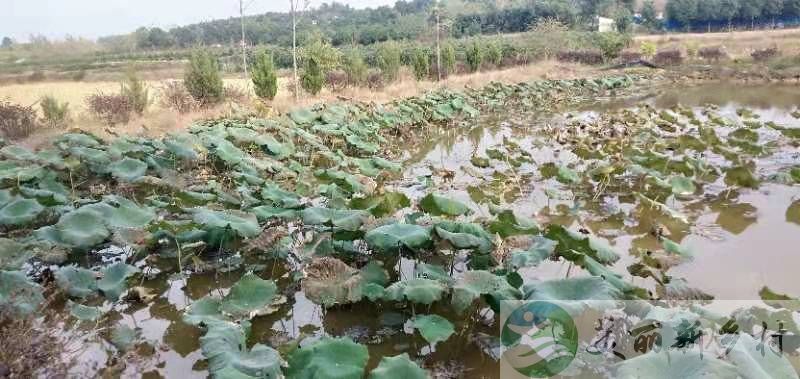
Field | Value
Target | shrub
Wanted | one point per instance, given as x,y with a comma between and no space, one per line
376,79
265,81
668,57
611,44
388,57
714,53
692,49
336,80
111,109
448,60
421,63
580,56
763,55
474,57
175,96
648,49
136,91
202,78
17,121
312,79
55,114
355,68
493,54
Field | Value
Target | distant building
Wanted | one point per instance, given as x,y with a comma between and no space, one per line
606,24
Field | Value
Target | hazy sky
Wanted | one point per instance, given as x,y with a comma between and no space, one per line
95,18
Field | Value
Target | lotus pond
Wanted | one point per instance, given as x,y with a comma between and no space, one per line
352,240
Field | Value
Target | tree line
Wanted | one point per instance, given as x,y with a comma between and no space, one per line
708,15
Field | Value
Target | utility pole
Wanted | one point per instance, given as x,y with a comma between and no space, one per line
244,43
438,45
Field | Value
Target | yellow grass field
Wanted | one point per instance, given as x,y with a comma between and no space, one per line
738,44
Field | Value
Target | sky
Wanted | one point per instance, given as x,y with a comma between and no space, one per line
96,18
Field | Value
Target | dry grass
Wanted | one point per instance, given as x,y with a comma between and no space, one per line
158,121
738,44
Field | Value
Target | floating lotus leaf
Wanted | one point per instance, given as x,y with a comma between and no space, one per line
682,186
674,364
250,296
418,290
442,206
119,212
20,211
433,328
583,288
381,205
128,169
330,281
473,284
569,241
225,347
123,337
778,300
465,236
541,249
346,181
280,198
793,213
245,224
267,212
673,247
597,269
429,271
399,366
13,254
395,237
80,229
341,218
76,281
741,176
114,280
567,176
329,358
18,295
84,313
205,311
508,224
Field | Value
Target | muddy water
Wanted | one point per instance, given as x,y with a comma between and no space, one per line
741,240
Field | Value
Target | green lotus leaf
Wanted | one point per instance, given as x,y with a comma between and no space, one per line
265,212
119,212
465,236
245,224
674,364
599,270
567,176
583,288
225,348
746,355
229,153
569,241
795,174
480,162
442,206
183,146
399,366
395,237
205,311
346,181
20,211
381,205
128,169
473,284
280,198
361,144
350,220
417,290
17,152
76,281
250,296
78,139
114,280
5,197
303,116
673,247
13,254
330,281
18,172
83,312
18,295
329,358
778,300
741,176
540,249
682,186
123,337
80,229
793,213
508,224
433,328
429,271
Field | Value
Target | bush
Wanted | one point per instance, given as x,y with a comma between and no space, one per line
111,109
336,80
55,114
265,81
136,91
388,57
763,55
474,57
202,78
714,53
494,54
648,49
668,57
312,80
611,44
175,96
580,56
421,63
355,68
376,79
448,60
17,121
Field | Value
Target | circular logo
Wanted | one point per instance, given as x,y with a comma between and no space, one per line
540,339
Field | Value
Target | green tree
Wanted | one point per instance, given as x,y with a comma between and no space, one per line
623,18
682,12
202,78
474,57
8,43
493,53
421,63
649,16
389,60
355,67
773,9
55,114
708,11
791,8
750,10
449,59
135,90
312,79
611,44
728,10
265,81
